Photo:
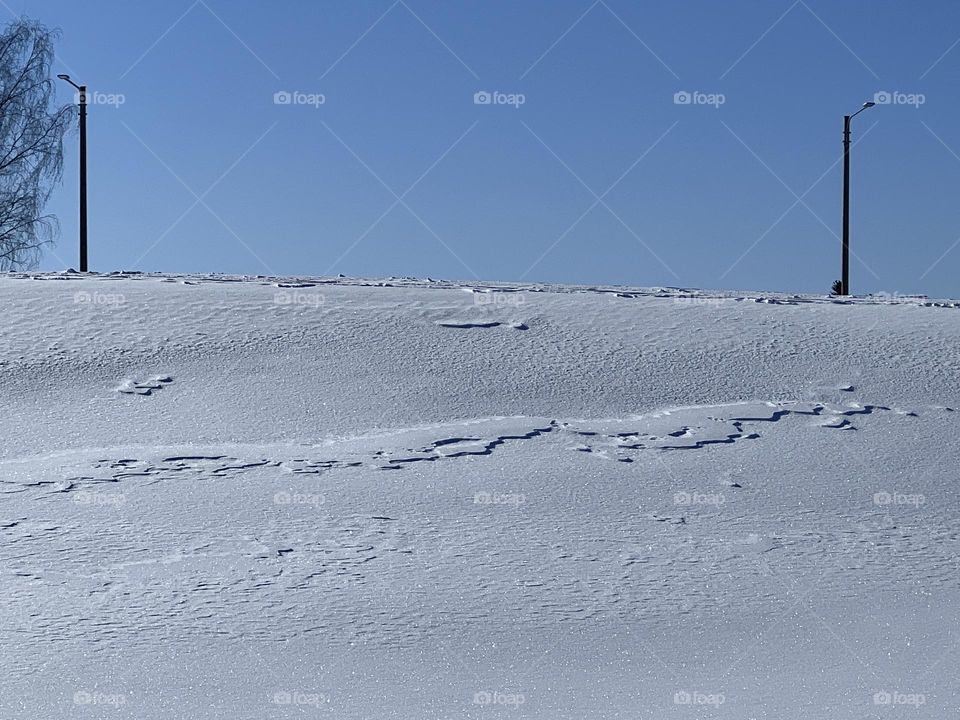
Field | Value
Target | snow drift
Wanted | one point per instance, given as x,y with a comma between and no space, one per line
232,497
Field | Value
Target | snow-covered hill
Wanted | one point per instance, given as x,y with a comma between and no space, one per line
232,497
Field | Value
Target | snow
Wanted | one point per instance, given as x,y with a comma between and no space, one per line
226,497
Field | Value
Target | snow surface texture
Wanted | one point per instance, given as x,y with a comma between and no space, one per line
232,497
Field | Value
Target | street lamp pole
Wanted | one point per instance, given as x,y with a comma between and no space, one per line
82,90
845,270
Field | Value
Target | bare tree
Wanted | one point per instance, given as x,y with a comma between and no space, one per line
31,142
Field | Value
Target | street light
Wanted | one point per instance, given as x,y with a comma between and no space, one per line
845,275
82,89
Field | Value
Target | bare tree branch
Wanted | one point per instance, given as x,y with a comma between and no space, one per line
31,142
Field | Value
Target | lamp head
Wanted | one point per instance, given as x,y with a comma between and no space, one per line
64,77
869,104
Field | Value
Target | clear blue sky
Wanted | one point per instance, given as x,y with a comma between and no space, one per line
740,195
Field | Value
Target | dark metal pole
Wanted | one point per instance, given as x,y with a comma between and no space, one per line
83,178
845,274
